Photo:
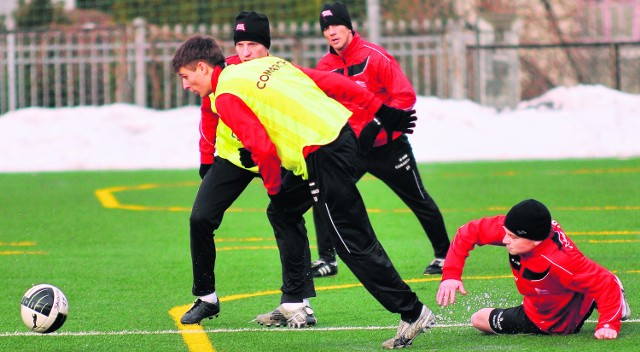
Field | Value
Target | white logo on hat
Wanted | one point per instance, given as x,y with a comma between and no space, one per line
326,13
240,27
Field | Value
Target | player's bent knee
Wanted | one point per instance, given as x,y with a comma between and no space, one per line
480,320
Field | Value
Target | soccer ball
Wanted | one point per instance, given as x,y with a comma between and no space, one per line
44,308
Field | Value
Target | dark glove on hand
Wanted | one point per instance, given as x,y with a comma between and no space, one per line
393,119
368,136
203,169
245,158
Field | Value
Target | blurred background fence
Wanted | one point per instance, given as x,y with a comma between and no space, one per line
94,52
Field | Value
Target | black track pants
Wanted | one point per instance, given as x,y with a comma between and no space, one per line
222,185
395,165
332,169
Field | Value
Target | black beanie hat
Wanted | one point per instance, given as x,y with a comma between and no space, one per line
252,26
529,219
335,14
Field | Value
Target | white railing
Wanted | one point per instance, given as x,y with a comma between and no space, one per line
131,64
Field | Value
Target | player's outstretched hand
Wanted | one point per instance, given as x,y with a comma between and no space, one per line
396,120
605,334
447,291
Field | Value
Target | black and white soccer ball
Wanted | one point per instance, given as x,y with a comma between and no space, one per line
44,308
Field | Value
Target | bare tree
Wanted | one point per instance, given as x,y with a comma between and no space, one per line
559,34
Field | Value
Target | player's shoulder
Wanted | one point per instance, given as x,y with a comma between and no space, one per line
372,50
561,255
328,62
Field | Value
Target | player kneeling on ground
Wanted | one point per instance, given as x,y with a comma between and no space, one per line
561,286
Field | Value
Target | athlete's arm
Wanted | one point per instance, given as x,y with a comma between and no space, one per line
246,125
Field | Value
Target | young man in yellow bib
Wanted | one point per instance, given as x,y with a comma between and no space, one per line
286,121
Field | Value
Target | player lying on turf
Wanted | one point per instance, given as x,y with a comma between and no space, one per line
561,286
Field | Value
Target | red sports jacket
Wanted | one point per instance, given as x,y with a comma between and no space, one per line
373,68
558,282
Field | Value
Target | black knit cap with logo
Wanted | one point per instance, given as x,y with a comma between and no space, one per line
529,219
252,27
335,14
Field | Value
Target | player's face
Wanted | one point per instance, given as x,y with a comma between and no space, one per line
517,245
197,80
248,50
338,37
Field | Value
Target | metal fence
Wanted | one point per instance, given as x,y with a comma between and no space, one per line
540,67
131,64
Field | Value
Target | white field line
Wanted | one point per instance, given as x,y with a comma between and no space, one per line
224,331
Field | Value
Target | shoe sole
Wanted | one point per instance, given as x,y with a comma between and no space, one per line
429,271
279,324
284,324
429,274
430,323
274,324
199,321
333,275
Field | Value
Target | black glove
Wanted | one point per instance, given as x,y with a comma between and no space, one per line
203,169
368,136
393,120
245,158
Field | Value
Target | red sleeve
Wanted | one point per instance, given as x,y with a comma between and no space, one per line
248,128
475,233
581,274
361,102
597,282
208,126
344,90
398,87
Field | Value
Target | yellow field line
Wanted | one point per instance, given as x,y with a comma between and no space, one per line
18,244
605,233
193,335
613,241
22,252
107,198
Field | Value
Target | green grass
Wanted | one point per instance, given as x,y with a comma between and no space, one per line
123,268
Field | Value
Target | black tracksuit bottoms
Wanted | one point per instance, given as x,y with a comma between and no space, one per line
332,179
395,165
221,186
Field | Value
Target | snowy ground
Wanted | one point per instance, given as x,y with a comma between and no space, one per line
576,122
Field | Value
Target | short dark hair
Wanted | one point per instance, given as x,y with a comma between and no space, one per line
198,48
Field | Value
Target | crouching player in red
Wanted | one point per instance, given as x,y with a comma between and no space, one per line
561,286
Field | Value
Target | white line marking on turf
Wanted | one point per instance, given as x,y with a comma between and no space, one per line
274,329
169,332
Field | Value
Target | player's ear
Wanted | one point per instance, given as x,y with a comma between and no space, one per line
202,66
